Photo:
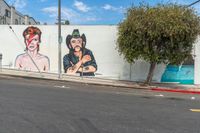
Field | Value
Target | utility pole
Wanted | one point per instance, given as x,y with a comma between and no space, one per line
59,39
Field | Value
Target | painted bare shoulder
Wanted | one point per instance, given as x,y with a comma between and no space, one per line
42,57
21,56
19,59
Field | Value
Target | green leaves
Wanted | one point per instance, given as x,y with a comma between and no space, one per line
161,34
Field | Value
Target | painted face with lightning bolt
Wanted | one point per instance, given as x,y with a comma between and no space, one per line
32,42
32,60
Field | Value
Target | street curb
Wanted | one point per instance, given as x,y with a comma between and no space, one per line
188,91
70,78
95,81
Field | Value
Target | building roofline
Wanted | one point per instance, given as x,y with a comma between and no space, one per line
6,3
33,19
18,13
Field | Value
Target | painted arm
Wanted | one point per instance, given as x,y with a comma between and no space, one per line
91,67
74,68
18,62
77,66
87,69
46,67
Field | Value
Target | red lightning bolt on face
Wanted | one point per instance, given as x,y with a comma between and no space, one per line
29,39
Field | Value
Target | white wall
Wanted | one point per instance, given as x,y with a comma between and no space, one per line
197,62
100,39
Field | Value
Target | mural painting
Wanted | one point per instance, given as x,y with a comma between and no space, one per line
183,74
79,60
32,60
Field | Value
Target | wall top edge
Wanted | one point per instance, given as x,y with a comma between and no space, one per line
65,25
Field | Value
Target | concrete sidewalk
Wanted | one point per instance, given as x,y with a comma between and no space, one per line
170,87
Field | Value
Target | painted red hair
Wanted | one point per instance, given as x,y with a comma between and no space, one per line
32,31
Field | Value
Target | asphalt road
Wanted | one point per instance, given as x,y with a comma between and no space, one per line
44,106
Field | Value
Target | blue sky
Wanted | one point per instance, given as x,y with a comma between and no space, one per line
101,12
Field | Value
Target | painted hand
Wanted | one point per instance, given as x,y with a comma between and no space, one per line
86,58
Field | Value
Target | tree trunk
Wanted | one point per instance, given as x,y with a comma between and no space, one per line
150,74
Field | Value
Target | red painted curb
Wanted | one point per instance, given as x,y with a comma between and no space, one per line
176,90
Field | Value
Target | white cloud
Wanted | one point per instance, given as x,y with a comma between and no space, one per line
81,6
10,2
65,12
52,11
18,4
69,14
43,0
109,7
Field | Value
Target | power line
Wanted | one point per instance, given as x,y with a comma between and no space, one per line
193,3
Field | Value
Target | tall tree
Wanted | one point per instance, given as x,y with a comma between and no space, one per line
160,34
67,22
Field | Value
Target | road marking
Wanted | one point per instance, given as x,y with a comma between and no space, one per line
195,110
62,87
193,98
119,93
160,95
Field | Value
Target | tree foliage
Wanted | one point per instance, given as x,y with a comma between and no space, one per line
67,22
160,34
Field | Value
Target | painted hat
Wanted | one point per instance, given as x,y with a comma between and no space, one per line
75,34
